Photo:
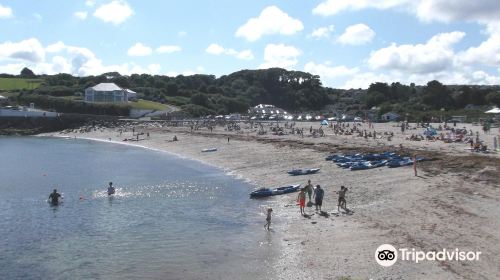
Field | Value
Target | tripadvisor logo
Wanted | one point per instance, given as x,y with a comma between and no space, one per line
387,255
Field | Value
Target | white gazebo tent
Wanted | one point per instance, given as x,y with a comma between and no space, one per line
495,110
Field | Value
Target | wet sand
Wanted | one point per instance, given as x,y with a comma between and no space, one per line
453,203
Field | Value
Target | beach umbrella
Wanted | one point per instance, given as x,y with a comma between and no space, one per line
495,110
324,122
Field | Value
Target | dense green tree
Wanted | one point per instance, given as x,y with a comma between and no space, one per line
493,98
437,95
27,73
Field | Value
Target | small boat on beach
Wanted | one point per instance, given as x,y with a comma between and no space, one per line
209,150
301,171
265,192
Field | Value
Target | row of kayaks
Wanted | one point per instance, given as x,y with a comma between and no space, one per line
265,192
368,161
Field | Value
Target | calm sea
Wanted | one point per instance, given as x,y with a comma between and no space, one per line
171,218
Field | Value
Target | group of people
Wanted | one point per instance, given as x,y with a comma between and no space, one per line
55,197
317,193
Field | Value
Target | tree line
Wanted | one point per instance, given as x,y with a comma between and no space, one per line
294,91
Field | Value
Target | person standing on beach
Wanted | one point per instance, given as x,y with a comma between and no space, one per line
342,201
301,198
309,188
415,164
318,197
268,218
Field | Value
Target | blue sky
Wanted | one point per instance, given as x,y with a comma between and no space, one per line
349,43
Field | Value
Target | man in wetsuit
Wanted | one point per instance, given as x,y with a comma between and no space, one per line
111,189
54,197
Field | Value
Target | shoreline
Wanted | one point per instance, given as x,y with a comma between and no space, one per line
450,202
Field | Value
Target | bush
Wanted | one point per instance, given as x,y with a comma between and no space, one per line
67,106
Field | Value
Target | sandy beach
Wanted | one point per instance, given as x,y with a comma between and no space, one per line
452,203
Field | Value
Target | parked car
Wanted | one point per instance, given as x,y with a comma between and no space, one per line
358,119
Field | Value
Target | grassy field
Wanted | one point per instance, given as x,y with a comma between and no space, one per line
148,105
19,83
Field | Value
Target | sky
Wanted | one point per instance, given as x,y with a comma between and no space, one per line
348,43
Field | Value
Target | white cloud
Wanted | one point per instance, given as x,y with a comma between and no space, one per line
38,16
80,15
459,76
326,71
271,20
322,32
280,56
434,56
65,59
5,12
487,53
56,47
139,50
182,33
332,7
198,70
216,49
90,3
115,12
484,11
29,50
357,34
363,80
168,49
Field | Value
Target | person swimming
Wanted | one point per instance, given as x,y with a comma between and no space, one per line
54,197
111,189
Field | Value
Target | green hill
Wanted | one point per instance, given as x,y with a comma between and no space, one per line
19,83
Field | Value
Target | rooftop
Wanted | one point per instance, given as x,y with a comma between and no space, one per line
106,87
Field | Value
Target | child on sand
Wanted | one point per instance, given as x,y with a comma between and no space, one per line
268,218
301,198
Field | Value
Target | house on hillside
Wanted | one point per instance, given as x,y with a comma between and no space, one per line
390,117
108,93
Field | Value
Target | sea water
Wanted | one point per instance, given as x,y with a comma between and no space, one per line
170,218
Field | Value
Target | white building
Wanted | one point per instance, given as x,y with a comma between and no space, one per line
108,92
390,116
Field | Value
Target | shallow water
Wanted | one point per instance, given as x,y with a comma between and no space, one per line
171,218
